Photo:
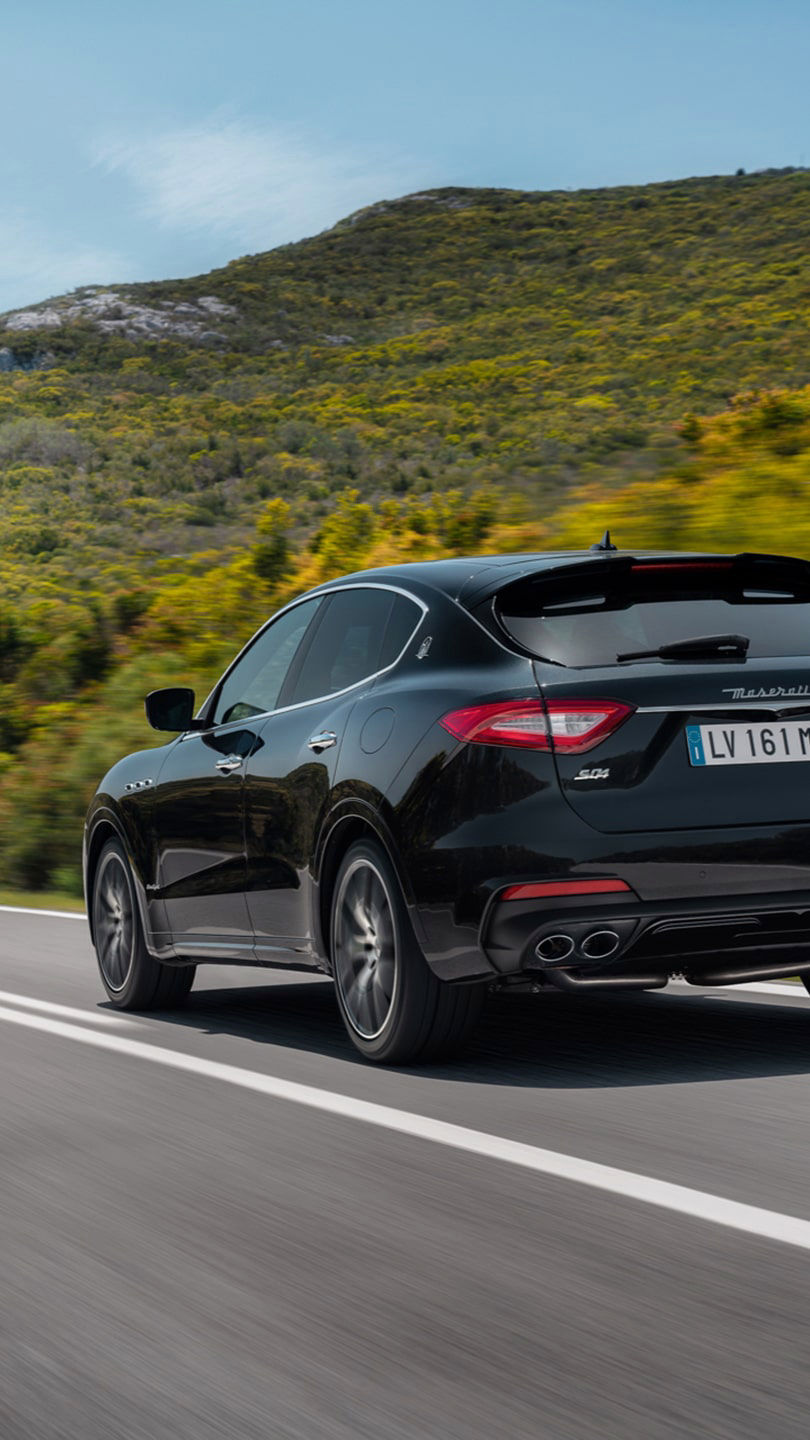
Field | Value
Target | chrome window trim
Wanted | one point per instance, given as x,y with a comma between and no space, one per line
516,654
330,694
773,707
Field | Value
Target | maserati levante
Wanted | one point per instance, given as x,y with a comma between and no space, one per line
554,771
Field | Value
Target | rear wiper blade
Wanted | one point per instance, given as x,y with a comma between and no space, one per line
723,646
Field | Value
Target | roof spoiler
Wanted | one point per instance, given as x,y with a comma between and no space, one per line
483,586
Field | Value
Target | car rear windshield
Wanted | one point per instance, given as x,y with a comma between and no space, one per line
590,616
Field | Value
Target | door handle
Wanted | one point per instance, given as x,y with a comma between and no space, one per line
323,741
229,764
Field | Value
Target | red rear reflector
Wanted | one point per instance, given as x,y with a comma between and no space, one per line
571,726
547,889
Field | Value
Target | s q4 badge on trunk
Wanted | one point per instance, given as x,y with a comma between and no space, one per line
592,774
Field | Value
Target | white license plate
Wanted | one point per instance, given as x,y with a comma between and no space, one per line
743,744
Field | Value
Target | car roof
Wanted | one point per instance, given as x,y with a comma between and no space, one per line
471,579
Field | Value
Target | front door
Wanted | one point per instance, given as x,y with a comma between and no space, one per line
199,823
199,809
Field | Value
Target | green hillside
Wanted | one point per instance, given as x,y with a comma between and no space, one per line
462,337
438,373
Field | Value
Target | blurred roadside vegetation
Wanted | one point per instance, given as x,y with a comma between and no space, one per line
38,899
458,372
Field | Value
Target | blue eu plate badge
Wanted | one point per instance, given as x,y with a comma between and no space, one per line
694,740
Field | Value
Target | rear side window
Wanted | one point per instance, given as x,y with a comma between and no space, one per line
590,616
402,621
361,631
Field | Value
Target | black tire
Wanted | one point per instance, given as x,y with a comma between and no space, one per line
393,1006
132,978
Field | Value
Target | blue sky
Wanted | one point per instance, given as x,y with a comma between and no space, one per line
164,137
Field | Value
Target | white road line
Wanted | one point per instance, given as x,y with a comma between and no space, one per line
788,989
697,1204
791,991
69,1012
55,914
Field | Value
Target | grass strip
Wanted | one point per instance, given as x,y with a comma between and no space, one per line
36,900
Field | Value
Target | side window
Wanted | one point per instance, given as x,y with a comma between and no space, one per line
254,684
403,620
346,646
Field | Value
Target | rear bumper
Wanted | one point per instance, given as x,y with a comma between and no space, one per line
703,903
620,940
696,894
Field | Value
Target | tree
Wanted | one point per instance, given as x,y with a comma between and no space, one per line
271,554
344,540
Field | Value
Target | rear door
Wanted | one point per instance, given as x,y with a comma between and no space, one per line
360,631
697,742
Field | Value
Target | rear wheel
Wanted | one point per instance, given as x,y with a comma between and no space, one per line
392,1005
132,978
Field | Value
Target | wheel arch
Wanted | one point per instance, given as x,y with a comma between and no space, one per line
105,826
344,830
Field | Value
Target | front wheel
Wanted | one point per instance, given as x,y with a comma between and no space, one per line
132,978
392,1004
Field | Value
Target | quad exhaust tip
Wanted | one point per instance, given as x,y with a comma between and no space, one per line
598,945
554,947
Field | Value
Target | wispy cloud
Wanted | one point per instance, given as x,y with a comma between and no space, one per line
254,185
36,263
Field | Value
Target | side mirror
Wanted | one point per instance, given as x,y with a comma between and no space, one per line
170,709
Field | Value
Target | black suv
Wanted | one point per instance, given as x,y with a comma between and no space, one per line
560,770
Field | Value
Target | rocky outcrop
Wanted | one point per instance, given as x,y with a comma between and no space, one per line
10,360
114,314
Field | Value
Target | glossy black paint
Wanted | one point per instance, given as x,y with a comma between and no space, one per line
238,865
171,709
198,823
288,792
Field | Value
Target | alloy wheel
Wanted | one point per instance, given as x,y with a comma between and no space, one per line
365,949
114,921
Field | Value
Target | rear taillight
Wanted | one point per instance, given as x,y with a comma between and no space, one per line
571,726
578,725
507,722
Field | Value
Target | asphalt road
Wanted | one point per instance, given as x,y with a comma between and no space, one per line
187,1258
